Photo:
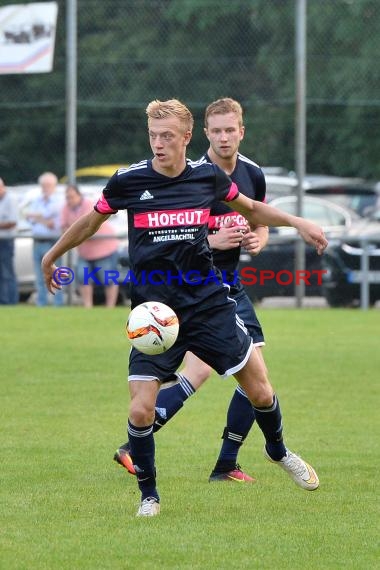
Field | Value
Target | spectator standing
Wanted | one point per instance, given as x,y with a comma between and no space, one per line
43,215
100,252
8,223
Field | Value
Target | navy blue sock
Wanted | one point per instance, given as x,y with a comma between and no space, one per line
170,401
240,418
270,423
141,442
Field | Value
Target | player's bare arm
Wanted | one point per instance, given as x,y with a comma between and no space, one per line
258,213
80,231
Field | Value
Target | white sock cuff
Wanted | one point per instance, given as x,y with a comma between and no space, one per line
185,385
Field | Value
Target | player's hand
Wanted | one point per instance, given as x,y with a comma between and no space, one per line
229,236
312,234
49,271
252,243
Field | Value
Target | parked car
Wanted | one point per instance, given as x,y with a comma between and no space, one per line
273,271
24,267
342,262
98,174
354,193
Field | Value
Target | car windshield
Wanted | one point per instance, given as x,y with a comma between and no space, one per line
329,216
357,195
361,202
323,215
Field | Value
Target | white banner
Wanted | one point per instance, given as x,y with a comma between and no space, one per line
27,37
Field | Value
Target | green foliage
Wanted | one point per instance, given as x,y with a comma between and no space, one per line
133,51
65,504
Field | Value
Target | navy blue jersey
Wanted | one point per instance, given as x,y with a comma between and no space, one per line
250,181
168,218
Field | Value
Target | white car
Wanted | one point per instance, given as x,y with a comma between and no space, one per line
353,193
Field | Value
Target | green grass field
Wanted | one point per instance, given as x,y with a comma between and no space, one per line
66,505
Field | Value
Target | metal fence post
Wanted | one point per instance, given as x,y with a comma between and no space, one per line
71,108
300,118
364,268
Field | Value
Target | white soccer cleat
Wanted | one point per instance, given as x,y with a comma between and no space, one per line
301,472
149,507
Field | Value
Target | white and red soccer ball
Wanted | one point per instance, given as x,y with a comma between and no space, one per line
152,327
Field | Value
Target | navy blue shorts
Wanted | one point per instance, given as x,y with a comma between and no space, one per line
247,313
210,330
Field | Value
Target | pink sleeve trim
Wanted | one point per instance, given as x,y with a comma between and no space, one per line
103,207
233,193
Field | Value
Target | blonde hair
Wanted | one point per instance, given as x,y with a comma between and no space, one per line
171,108
224,106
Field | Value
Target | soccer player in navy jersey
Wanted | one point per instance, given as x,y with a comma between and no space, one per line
228,232
168,200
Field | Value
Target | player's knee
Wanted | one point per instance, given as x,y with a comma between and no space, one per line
263,395
140,414
259,390
262,402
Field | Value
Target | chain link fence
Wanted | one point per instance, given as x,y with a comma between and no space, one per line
133,51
